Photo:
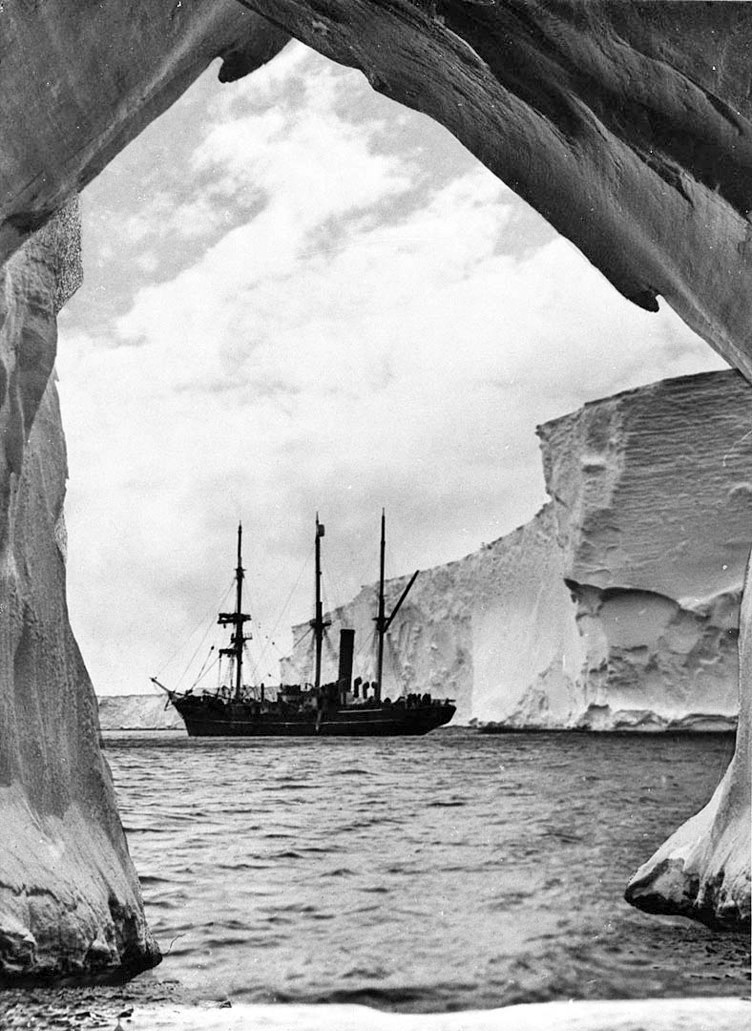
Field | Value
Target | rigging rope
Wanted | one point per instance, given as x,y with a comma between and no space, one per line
201,671
285,607
201,642
207,670
294,588
254,670
193,631
310,653
368,648
396,667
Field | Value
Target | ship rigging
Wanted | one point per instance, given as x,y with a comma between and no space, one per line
335,708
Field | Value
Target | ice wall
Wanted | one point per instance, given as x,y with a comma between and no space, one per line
617,606
653,496
70,901
137,712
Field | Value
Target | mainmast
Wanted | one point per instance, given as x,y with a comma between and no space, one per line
383,622
318,623
381,618
236,619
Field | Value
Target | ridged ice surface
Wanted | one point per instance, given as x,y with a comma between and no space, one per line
653,487
652,492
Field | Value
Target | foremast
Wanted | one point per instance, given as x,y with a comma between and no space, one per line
236,620
318,623
383,622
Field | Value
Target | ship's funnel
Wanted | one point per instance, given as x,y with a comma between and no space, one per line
346,649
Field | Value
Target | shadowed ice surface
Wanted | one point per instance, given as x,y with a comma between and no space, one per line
454,871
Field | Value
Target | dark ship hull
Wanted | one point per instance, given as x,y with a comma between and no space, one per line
344,708
209,716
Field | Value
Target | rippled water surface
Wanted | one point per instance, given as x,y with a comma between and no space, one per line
453,871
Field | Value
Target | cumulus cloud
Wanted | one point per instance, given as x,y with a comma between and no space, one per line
355,318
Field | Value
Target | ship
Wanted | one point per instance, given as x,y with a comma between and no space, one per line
341,708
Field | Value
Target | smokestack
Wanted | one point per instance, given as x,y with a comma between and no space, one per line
346,649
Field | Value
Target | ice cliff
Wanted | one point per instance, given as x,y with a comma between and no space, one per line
626,125
652,492
137,712
617,606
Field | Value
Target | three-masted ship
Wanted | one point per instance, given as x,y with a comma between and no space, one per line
338,708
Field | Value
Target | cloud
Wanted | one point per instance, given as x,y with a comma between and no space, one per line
377,321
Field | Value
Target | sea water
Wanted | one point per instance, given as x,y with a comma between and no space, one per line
453,871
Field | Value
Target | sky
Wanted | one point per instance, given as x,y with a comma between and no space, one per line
300,297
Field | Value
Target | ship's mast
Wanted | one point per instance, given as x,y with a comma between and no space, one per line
236,619
383,622
381,618
318,623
